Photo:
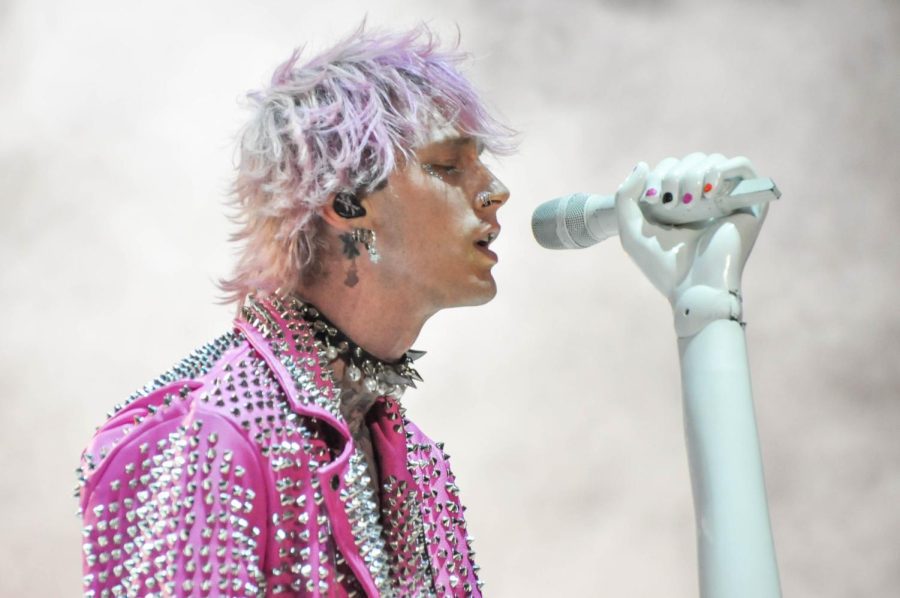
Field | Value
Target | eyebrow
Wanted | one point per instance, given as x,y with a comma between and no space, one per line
465,140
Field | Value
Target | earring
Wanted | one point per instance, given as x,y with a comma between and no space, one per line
484,198
346,205
366,236
351,251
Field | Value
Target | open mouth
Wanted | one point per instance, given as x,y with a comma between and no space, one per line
483,243
487,239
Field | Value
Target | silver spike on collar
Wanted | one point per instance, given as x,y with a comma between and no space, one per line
376,375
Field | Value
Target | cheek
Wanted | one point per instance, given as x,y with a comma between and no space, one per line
443,221
426,226
453,230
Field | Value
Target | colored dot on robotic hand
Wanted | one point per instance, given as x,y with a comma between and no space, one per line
650,192
707,187
667,197
688,198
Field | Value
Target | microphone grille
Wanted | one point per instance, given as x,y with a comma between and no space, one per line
543,225
559,223
575,220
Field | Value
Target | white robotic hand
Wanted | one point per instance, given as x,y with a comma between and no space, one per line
677,224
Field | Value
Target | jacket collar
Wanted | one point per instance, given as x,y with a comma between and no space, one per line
284,340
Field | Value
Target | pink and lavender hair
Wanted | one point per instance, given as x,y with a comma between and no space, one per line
341,121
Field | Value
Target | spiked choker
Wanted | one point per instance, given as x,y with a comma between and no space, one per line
376,374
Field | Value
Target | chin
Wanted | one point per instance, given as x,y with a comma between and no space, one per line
476,290
484,291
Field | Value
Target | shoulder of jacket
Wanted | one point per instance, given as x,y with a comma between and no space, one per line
175,436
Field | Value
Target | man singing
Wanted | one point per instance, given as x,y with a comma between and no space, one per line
277,459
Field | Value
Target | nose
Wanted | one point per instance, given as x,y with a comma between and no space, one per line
499,192
493,197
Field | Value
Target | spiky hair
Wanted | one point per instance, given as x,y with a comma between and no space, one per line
340,121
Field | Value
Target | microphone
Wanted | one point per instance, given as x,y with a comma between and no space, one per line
583,219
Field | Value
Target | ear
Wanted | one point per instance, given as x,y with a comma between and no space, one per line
337,212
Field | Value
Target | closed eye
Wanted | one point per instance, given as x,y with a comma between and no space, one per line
442,170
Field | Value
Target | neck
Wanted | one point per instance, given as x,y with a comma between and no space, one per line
384,322
355,399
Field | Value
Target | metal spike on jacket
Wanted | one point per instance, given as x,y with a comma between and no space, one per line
234,474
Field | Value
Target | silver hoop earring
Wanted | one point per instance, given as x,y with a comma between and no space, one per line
484,198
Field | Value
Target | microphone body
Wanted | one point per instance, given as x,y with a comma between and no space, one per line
583,219
575,221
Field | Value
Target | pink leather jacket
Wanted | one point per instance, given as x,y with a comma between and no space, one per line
234,474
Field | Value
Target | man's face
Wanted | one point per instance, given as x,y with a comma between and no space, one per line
433,229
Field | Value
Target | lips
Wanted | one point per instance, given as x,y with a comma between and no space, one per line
485,241
488,237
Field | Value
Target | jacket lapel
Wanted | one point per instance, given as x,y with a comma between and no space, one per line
288,346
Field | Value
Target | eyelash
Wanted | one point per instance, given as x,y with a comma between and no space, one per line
440,170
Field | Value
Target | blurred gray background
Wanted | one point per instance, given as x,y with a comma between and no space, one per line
560,400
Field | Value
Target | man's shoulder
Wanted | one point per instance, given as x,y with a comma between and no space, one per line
194,366
224,388
162,392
